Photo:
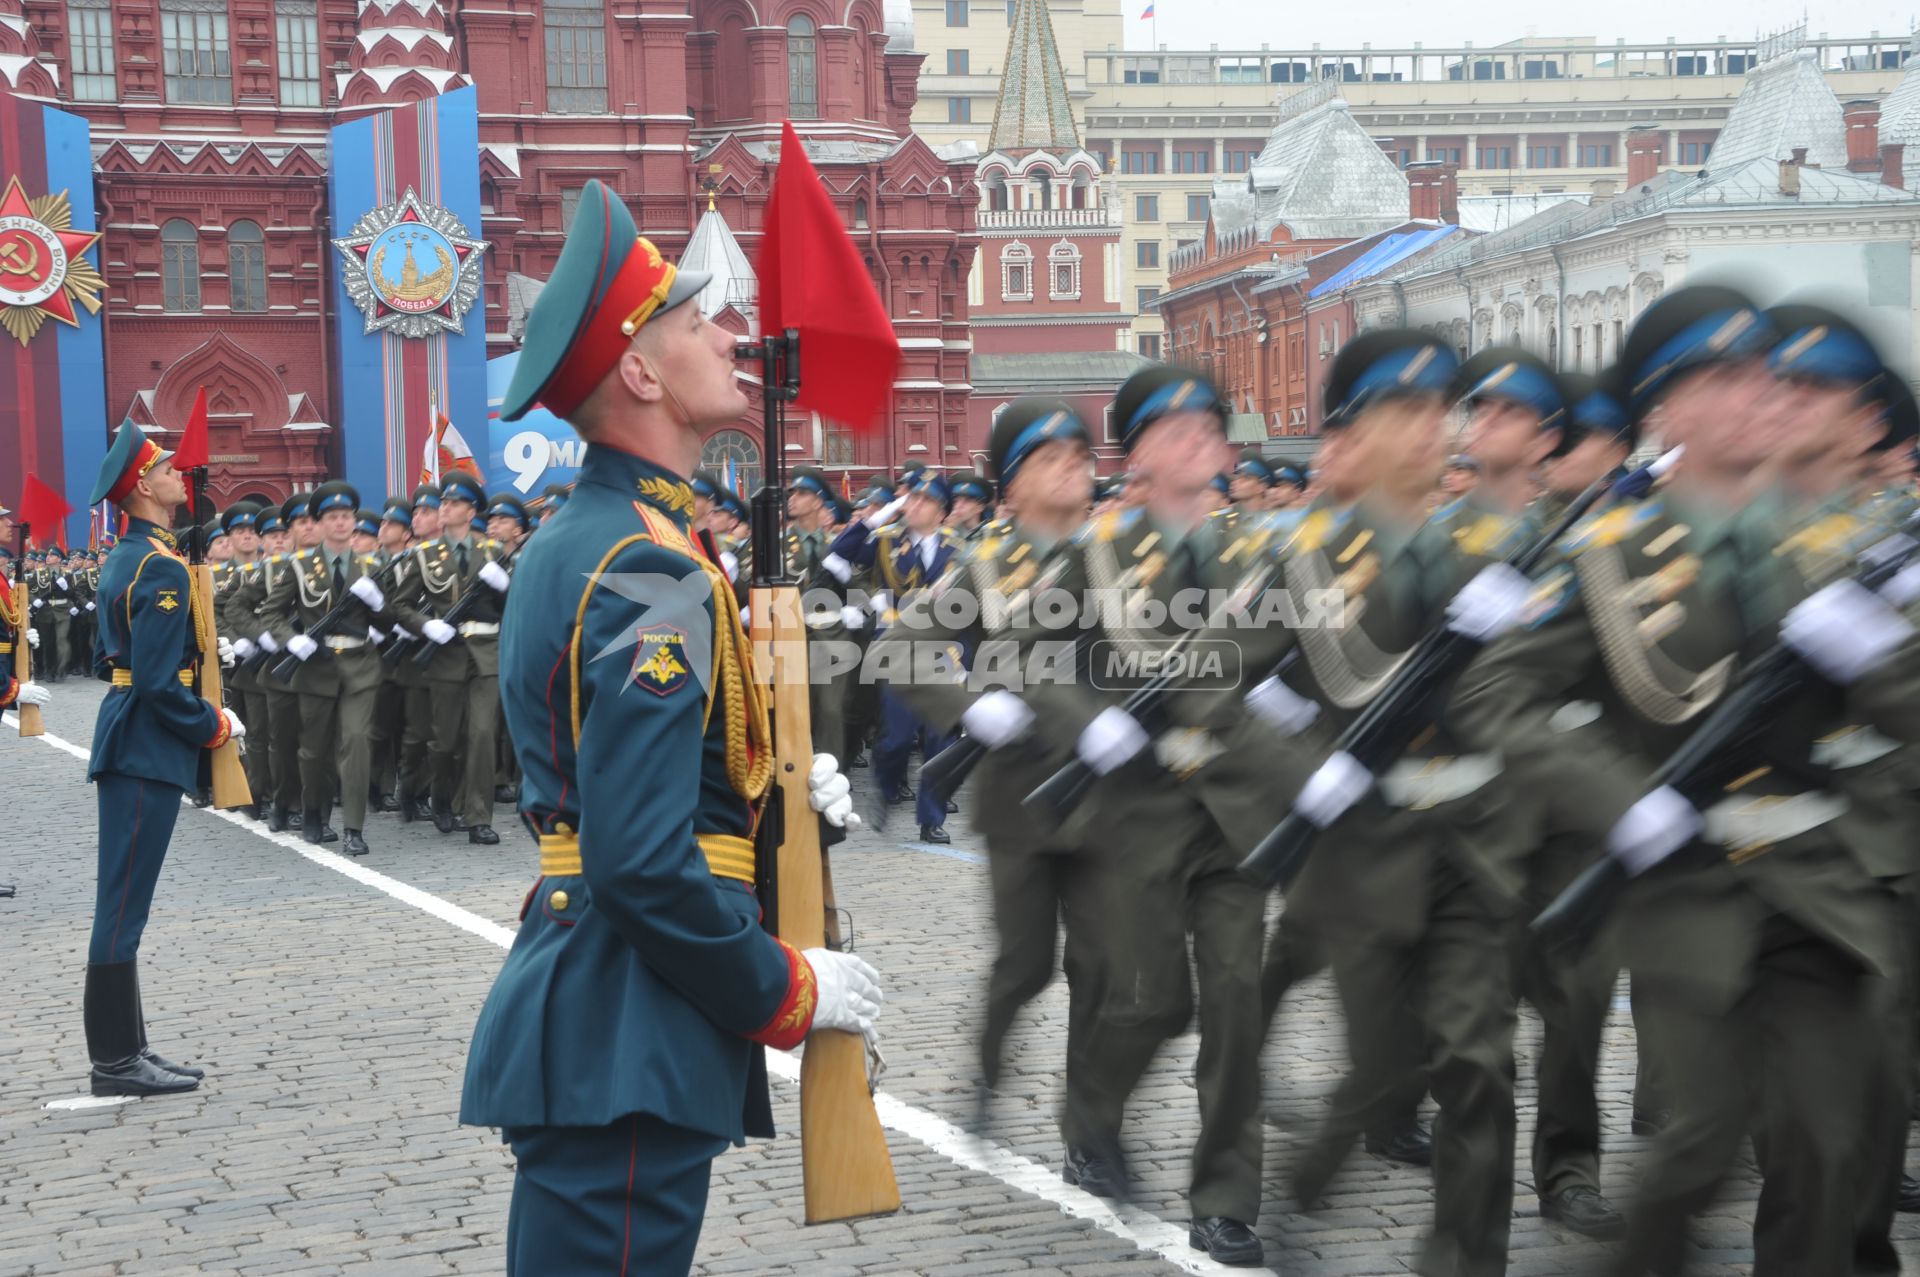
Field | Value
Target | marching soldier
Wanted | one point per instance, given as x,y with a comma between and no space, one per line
552,497
336,692
147,744
508,523
459,569
972,506
84,582
242,683
14,629
1253,476
733,533
1757,936
389,703
60,611
1040,453
416,737
895,559
833,649
618,1048
250,620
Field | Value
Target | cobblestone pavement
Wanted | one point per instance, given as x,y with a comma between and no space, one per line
331,1008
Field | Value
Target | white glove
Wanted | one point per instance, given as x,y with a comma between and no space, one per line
886,513
996,718
1275,703
828,793
38,604
401,631
375,636
73,611
439,631
89,607
235,728
1844,631
302,646
267,641
60,581
730,563
1654,828
847,992
838,568
496,576
1904,588
852,616
746,617
243,649
32,694
1111,739
367,590
226,654
1490,604
1339,783
33,639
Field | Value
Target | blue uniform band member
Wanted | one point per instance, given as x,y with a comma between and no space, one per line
621,1047
148,747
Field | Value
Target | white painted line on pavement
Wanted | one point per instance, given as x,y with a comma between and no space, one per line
1143,1230
79,1102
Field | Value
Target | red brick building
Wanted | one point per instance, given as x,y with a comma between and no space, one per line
210,123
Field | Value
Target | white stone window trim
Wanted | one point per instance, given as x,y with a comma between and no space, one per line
1065,254
1016,254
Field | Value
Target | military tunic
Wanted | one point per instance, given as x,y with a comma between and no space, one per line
277,705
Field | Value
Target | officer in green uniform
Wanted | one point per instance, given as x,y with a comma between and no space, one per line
552,497
389,703
834,649
1758,937
14,629
250,617
1040,452
733,534
618,1047
463,675
1252,476
508,523
416,736
338,675
1167,872
84,584
61,611
148,744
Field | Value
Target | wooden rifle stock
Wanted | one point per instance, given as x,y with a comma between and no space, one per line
1382,731
31,722
1702,762
230,788
845,1166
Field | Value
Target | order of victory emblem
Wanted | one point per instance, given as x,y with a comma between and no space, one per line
411,268
43,265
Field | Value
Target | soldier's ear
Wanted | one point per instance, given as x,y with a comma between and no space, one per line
639,376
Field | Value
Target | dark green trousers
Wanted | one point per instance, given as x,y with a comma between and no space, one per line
464,719
1033,893
283,745
415,760
1456,977
336,744
1149,998
256,711
1792,1065
389,717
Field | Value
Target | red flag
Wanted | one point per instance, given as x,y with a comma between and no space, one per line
811,279
42,509
192,452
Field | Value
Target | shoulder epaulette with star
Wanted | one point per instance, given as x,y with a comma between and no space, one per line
1107,526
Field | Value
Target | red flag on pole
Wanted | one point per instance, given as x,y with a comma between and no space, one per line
811,279
42,509
192,452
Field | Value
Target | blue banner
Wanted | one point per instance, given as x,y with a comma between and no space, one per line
525,456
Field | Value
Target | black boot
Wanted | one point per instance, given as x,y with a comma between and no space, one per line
934,834
1409,1146
146,1052
445,821
409,808
111,1013
1226,1241
385,802
355,845
314,827
277,822
294,819
482,835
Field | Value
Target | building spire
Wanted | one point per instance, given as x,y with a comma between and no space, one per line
1034,112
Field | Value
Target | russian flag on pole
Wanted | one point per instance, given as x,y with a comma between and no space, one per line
1147,14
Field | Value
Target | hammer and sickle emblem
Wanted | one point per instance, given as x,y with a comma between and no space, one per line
20,256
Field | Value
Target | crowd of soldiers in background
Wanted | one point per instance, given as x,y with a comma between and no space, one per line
1611,615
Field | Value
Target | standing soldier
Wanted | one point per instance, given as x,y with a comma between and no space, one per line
463,676
337,691
147,744
617,1050
14,629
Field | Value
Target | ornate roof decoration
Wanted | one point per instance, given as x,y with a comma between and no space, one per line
1034,112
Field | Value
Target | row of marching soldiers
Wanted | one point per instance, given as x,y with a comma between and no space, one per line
361,650
1547,642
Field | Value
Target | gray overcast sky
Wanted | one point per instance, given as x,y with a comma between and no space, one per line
1196,24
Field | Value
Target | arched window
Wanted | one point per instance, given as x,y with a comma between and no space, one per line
1063,272
1040,189
247,265
997,191
738,447
1016,273
180,266
860,214
803,91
